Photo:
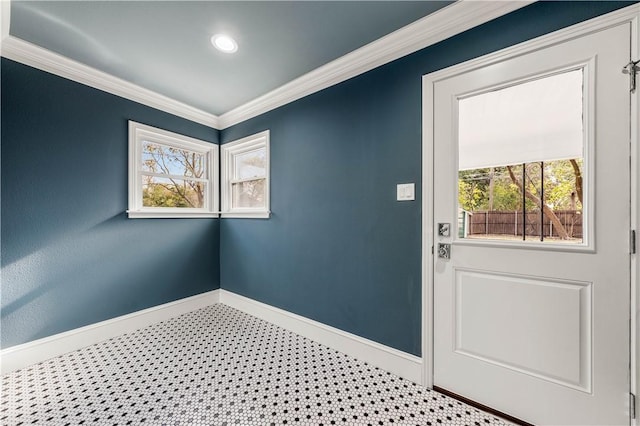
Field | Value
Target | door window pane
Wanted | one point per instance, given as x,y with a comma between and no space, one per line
520,169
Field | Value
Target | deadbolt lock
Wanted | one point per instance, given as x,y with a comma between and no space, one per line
444,229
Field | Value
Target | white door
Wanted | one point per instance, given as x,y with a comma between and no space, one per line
536,329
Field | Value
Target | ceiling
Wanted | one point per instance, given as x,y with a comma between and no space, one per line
164,46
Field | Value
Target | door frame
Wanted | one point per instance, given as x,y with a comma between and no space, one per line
628,15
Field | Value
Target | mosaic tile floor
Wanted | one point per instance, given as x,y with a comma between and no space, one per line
219,366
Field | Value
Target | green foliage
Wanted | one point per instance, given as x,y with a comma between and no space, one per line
562,185
172,177
506,197
161,195
470,195
560,192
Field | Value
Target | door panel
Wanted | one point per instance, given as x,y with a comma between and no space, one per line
528,335
539,329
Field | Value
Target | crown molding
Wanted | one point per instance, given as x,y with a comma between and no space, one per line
5,18
35,56
447,22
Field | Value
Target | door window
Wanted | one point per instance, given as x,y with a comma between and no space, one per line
521,161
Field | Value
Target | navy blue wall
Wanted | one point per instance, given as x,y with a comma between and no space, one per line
339,249
70,256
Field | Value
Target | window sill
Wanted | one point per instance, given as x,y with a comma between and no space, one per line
247,215
169,215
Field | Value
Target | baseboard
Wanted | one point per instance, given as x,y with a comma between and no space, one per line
389,359
386,358
29,353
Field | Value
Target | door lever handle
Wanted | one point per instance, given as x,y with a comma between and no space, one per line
444,251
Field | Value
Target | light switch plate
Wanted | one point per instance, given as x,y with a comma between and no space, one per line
406,192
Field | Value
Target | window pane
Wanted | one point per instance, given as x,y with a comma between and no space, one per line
520,169
532,219
172,161
163,192
248,194
491,202
250,164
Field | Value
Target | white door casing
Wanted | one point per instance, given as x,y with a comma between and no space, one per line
565,310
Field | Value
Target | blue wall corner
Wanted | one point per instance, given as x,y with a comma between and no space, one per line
70,256
339,249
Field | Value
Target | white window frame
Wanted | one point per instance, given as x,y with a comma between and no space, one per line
229,151
140,133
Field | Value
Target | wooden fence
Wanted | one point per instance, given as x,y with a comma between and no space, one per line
510,223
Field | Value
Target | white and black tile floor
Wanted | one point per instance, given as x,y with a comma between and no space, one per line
219,366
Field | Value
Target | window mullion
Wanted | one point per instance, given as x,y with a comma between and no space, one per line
166,176
232,181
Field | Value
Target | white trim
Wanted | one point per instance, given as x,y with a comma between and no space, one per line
635,224
440,25
141,133
427,233
229,150
247,215
35,56
384,357
5,18
29,353
444,23
172,214
621,16
629,15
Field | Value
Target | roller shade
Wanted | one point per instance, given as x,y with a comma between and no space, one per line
540,120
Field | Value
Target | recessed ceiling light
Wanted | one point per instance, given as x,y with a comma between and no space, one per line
224,43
